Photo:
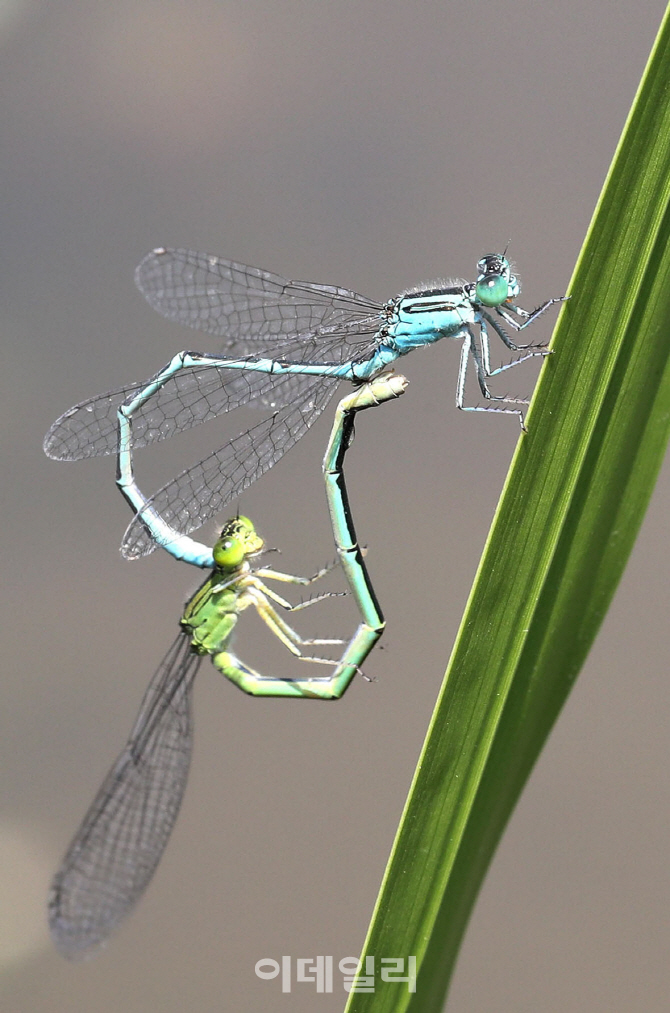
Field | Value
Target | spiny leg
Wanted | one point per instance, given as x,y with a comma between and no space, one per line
291,578
486,357
469,349
527,317
281,629
287,604
506,340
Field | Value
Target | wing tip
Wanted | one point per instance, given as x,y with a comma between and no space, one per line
70,937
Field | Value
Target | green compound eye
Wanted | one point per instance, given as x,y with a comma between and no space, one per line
492,290
229,553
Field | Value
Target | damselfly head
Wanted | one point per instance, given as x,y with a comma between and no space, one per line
495,282
238,541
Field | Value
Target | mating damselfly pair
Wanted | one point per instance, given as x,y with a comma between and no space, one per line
287,346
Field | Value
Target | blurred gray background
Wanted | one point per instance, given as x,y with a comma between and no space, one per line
374,145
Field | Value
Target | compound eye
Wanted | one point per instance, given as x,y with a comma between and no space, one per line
229,553
492,290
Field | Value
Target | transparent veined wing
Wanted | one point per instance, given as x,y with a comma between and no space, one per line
88,428
123,835
196,395
244,305
185,400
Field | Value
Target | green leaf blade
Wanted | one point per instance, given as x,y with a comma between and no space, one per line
571,509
